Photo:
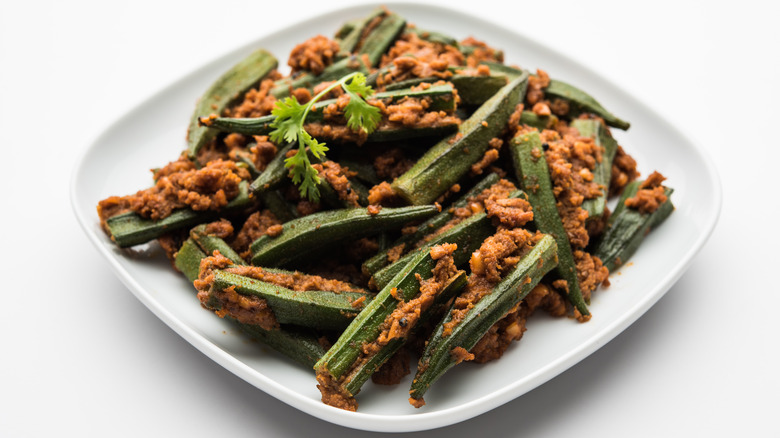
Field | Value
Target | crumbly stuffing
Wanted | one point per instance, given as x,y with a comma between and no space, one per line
623,171
512,327
382,194
491,155
258,101
208,188
496,255
590,272
409,112
481,52
536,85
181,165
392,163
221,228
571,161
313,55
460,354
255,226
414,57
333,394
338,178
650,195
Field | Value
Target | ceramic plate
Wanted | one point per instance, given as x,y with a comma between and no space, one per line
116,163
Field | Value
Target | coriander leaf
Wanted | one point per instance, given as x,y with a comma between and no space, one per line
289,119
359,113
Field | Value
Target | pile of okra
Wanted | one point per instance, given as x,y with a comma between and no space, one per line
347,335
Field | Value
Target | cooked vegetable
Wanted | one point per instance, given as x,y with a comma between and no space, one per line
603,171
627,227
301,236
583,102
224,92
438,356
129,229
449,159
534,176
379,330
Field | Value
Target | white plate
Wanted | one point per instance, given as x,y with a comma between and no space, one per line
153,133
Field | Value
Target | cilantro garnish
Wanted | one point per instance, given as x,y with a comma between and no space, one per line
288,127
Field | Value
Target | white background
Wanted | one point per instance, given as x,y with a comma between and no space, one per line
82,357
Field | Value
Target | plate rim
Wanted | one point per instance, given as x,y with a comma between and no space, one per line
419,420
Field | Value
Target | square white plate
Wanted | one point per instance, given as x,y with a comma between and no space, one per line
153,134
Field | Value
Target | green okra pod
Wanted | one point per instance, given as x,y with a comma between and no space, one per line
378,261
129,229
627,227
452,157
301,236
582,102
533,174
210,243
324,310
361,349
187,259
603,171
441,97
438,356
297,343
226,91
467,235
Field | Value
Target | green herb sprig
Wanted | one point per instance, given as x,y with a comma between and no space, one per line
291,115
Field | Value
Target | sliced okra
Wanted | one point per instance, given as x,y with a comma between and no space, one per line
533,174
468,235
452,157
438,356
378,261
582,102
441,97
627,227
128,229
187,259
324,310
374,335
224,92
300,344
301,236
210,243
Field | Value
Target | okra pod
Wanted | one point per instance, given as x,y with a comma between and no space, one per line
451,158
533,174
276,204
350,37
433,37
210,243
226,91
627,227
442,98
324,310
467,235
437,357
130,229
297,343
602,173
376,43
582,102
361,349
275,174
378,261
301,236
187,259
